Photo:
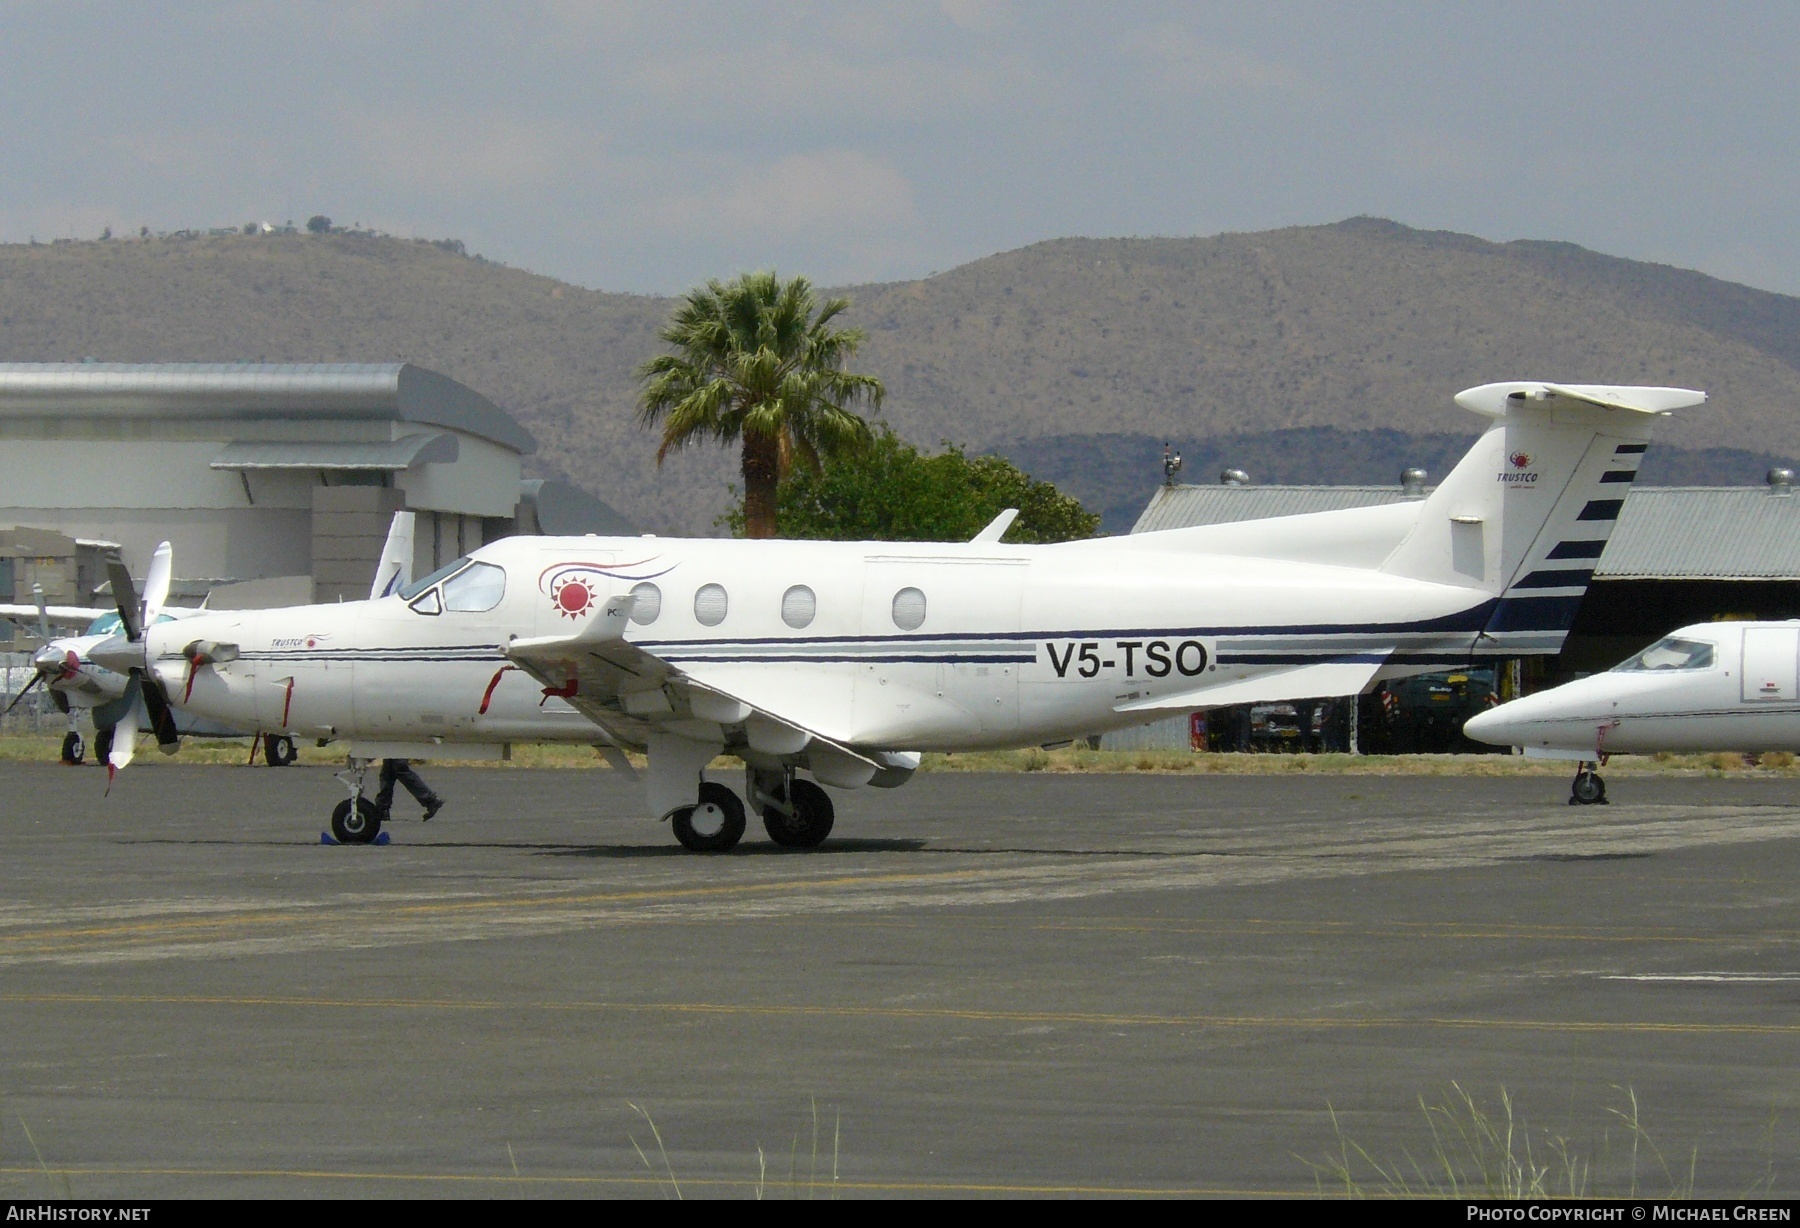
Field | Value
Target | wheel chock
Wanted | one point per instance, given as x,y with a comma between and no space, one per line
325,836
381,837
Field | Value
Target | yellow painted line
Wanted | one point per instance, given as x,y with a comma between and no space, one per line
1072,1018
777,1186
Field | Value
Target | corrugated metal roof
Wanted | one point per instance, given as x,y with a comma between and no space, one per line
394,391
1663,533
1704,533
1182,507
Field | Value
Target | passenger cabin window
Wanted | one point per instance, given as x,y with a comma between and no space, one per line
1672,653
475,590
799,606
909,609
710,605
648,603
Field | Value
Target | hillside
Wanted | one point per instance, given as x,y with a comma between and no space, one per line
1363,327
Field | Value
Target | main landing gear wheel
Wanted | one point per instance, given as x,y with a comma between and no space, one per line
1588,789
810,822
358,826
103,744
73,748
278,750
714,824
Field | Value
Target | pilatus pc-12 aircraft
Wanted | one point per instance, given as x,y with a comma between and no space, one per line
845,660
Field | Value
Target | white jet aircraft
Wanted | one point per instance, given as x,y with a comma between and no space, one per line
848,659
1711,686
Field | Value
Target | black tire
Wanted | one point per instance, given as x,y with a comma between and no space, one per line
714,825
360,828
1588,789
278,750
73,748
810,822
103,744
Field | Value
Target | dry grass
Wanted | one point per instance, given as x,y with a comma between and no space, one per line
26,748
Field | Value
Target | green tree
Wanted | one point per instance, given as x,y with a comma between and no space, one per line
758,363
892,492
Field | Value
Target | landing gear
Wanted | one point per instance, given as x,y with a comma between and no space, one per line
714,824
796,813
73,748
278,750
1588,789
103,744
356,821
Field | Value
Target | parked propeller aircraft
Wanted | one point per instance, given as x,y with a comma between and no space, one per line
848,659
76,684
1711,686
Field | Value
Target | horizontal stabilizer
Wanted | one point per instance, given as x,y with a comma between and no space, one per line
1498,400
1304,682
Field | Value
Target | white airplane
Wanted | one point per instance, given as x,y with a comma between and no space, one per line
848,659
77,684
1712,686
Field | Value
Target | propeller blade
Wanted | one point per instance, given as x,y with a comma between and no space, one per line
124,744
156,582
36,680
125,597
37,595
162,717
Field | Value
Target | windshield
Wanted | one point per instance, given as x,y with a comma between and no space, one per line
109,624
420,585
1672,653
477,589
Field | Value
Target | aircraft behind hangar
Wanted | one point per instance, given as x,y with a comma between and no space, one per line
845,660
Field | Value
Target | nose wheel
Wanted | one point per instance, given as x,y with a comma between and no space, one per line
714,824
1587,789
356,819
73,748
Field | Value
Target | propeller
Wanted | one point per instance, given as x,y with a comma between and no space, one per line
50,664
133,657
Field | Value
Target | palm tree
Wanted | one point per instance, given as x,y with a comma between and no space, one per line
757,362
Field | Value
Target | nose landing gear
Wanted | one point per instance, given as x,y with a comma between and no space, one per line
355,820
1587,789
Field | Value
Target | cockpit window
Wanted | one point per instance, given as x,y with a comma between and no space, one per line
109,624
477,589
1672,653
424,582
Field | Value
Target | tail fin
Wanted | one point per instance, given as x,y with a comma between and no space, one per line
1525,515
394,571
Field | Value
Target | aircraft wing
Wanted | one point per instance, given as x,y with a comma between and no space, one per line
61,615
1329,678
630,693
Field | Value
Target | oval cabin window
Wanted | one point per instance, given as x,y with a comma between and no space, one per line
709,605
909,609
648,604
798,606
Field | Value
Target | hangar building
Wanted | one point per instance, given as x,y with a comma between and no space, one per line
283,474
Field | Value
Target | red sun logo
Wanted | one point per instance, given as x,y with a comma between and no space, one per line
572,598
1520,460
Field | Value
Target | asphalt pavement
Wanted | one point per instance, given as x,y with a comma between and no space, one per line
982,984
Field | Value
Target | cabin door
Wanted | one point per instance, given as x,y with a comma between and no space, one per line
1771,664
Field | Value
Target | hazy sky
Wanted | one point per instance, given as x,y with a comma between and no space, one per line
647,146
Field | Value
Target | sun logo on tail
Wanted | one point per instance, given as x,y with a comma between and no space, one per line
1520,460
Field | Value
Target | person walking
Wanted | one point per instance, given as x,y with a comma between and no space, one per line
402,770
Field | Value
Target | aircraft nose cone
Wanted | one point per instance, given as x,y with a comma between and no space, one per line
1493,726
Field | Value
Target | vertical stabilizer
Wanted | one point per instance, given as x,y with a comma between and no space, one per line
1524,516
394,571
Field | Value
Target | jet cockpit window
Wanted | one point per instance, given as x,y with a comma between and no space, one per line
428,602
1672,653
424,582
475,590
106,624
